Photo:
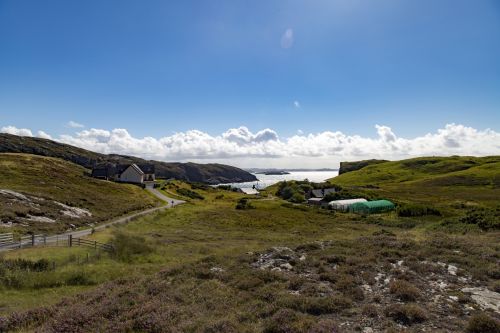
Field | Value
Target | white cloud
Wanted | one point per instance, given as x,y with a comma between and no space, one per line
43,135
74,124
240,146
16,131
287,38
296,104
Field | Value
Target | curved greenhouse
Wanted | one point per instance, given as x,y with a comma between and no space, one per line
372,207
344,204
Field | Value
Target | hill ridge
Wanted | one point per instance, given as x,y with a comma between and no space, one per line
212,173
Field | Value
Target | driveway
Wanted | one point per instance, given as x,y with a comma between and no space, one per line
169,203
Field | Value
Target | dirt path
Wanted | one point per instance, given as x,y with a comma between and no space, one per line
169,203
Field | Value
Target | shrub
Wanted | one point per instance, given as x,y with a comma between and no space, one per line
189,193
324,326
406,314
24,264
297,198
412,210
404,290
484,219
291,191
244,203
316,305
200,186
126,245
250,282
79,279
286,321
482,323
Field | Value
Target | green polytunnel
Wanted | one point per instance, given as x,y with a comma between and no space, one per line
372,207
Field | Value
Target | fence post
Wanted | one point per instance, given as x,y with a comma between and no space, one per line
95,245
70,239
33,240
44,239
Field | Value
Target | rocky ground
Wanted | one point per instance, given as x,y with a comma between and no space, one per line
24,210
377,283
404,293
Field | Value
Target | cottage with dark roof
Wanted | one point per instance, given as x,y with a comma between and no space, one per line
128,173
321,193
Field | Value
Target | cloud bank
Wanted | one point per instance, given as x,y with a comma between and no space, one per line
240,146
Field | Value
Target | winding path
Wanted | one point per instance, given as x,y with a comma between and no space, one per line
169,203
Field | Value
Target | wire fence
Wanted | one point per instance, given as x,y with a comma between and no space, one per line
9,242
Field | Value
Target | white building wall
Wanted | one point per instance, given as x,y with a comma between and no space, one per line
131,175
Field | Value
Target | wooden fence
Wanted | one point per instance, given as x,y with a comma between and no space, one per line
8,242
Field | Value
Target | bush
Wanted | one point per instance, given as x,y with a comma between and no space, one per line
292,191
200,186
482,323
407,314
297,198
244,203
79,279
285,321
190,194
316,305
403,290
24,264
412,210
484,219
126,246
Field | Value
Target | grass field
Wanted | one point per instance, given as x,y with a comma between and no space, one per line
205,261
206,266
45,180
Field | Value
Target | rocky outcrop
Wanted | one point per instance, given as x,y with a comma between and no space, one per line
353,166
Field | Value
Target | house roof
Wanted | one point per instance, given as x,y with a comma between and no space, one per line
112,170
319,193
249,190
137,169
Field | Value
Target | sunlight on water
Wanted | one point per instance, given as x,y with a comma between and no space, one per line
268,180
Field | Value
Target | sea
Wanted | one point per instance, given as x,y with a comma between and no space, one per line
268,180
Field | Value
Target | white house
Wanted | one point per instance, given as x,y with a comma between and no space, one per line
249,190
132,174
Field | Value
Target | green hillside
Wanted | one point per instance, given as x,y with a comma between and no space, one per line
452,183
34,190
207,173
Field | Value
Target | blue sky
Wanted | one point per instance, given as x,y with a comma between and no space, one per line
157,68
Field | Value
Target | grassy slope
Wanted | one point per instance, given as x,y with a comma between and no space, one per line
189,240
55,179
446,182
210,173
